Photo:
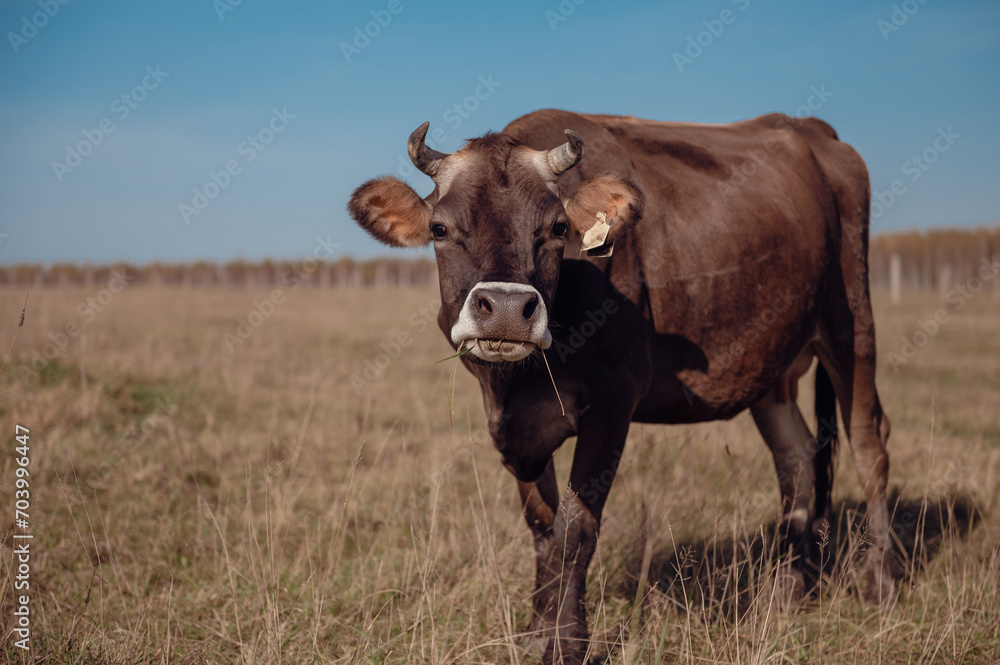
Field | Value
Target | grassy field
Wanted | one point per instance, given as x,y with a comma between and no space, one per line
198,498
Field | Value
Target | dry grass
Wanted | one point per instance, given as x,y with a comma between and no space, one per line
195,506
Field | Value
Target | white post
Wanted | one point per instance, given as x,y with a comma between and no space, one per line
945,280
895,278
996,285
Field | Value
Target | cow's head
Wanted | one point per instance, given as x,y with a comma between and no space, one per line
499,229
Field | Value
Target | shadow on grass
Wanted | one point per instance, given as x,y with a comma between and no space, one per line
722,578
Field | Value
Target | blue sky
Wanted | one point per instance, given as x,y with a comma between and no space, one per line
325,118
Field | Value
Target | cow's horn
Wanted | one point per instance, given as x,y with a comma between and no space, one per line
566,156
426,159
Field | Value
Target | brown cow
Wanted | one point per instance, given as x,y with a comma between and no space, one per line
738,254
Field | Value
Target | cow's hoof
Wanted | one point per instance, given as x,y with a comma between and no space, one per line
535,645
537,639
539,645
789,587
880,589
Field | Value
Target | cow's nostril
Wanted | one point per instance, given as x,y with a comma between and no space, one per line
484,307
529,308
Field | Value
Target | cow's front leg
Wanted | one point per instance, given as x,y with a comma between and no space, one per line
540,501
562,558
560,600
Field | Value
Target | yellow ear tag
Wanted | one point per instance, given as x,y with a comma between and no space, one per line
595,237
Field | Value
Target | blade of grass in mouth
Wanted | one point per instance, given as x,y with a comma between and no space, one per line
460,353
454,371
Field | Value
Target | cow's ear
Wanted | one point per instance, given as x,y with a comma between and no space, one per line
391,212
616,197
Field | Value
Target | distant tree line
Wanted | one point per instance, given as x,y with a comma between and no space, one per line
932,259
308,273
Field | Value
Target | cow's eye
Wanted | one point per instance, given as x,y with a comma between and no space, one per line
560,229
438,231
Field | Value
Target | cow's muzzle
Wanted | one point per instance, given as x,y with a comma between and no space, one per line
502,322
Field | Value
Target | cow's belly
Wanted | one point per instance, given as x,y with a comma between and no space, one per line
722,381
729,319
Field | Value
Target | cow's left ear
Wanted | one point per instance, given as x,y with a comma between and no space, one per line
391,212
616,197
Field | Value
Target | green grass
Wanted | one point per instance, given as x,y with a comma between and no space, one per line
190,505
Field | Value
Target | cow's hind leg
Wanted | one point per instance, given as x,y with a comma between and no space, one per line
868,431
825,449
869,434
781,424
848,353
